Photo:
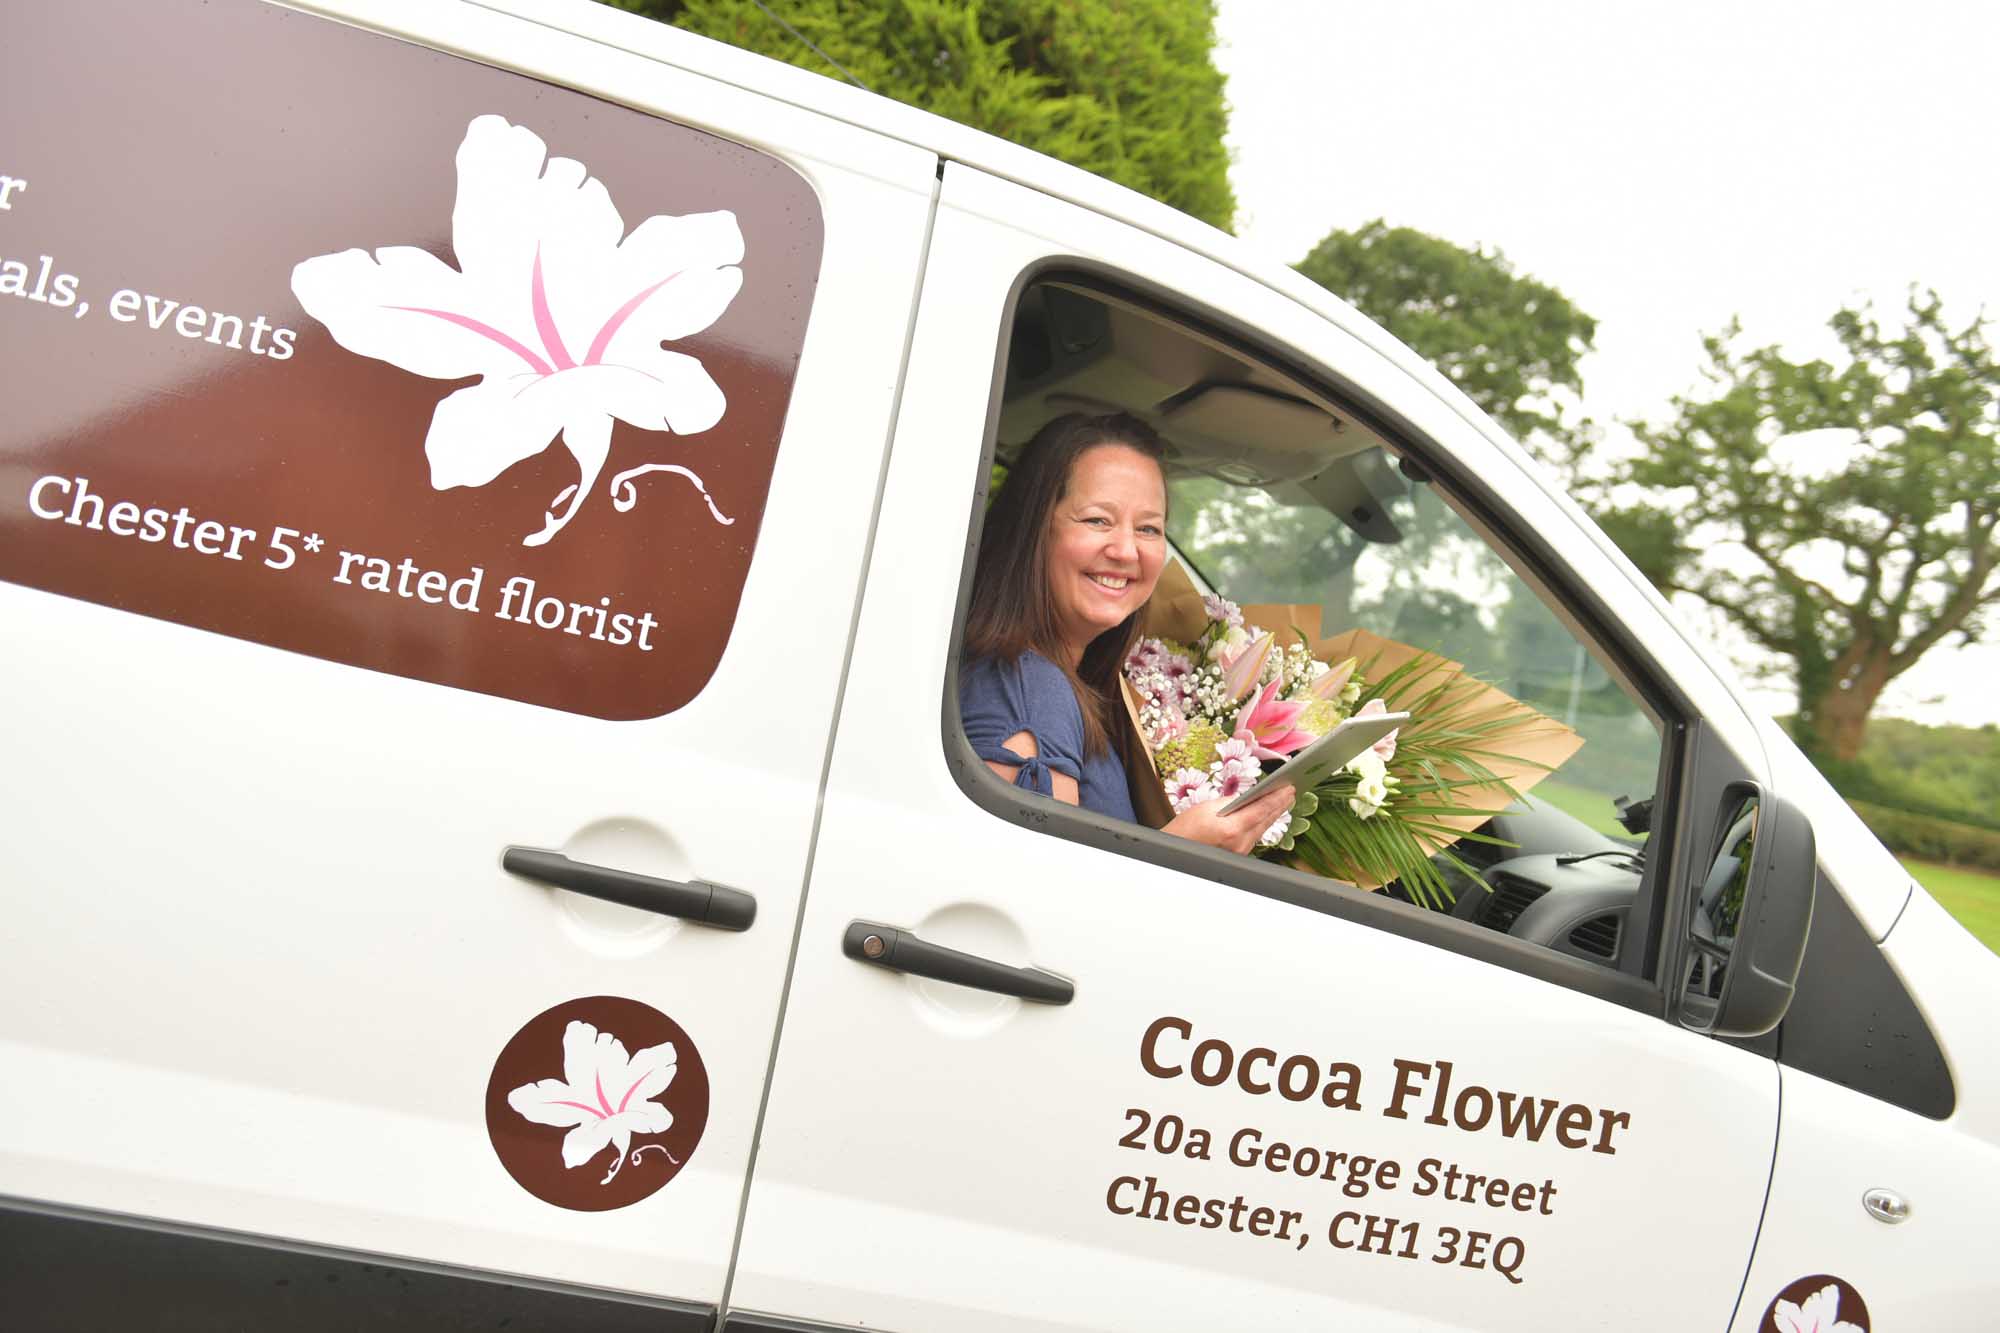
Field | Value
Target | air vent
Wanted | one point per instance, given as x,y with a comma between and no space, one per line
1511,897
1597,936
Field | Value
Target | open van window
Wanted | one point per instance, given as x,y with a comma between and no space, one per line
1281,493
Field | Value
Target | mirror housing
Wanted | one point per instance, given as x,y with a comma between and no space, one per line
1744,933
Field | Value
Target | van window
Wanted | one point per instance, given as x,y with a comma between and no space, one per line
1282,494
1418,573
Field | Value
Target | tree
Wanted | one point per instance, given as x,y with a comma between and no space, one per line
1508,341
1841,516
1126,90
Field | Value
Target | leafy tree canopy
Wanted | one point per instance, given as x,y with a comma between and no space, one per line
1125,90
1841,515
1505,339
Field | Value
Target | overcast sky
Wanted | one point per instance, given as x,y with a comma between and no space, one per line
1665,166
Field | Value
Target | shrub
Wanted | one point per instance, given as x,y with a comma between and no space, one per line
1931,839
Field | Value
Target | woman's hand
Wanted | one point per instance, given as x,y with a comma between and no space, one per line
1236,832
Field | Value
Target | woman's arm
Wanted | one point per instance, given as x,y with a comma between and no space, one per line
1237,832
1061,784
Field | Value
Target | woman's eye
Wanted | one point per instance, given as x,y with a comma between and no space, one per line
1148,530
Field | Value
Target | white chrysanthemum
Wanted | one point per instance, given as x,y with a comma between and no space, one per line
1187,788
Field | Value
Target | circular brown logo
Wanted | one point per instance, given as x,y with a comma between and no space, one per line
597,1103
1817,1304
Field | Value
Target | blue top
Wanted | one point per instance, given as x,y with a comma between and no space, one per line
998,699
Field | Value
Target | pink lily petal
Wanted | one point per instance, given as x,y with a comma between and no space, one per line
1385,749
1269,726
1242,674
1333,682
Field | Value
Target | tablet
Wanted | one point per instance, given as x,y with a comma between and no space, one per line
1325,756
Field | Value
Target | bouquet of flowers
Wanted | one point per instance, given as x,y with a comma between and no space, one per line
1218,697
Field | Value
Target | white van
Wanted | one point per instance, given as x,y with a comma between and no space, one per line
487,495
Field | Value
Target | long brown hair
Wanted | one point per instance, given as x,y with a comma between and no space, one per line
1012,612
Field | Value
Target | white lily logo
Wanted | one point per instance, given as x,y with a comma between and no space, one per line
559,312
1819,1314
604,1096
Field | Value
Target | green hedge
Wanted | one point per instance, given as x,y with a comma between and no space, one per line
1930,839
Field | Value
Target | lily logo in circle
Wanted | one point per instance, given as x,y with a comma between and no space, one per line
1817,1304
597,1103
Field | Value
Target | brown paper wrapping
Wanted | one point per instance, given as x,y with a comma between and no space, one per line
1534,746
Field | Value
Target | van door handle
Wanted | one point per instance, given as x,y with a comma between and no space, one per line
901,951
703,903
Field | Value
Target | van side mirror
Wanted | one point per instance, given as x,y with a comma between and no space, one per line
1745,932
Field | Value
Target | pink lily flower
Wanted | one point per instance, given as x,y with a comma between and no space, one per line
1269,725
1330,683
1385,749
1240,676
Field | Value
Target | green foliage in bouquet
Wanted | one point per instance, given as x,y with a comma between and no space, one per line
1457,729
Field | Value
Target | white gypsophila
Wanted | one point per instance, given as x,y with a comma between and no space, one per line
1301,670
1299,665
1209,697
1153,684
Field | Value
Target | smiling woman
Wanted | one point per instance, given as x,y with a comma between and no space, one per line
1075,544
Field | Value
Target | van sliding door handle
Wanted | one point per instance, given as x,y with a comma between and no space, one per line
700,902
901,951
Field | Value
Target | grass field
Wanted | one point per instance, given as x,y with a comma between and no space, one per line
1592,807
1970,895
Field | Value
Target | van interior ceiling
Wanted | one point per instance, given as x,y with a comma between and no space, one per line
1222,416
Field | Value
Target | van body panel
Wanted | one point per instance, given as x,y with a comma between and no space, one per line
1933,1270
1872,881
1953,977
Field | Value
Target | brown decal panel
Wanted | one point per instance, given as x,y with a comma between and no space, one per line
326,341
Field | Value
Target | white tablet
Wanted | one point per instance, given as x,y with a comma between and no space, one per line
1325,756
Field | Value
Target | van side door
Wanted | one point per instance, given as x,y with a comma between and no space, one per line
1223,1094
434,482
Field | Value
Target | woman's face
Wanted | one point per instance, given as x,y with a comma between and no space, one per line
1106,543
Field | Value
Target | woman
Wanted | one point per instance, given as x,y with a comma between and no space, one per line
1074,544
